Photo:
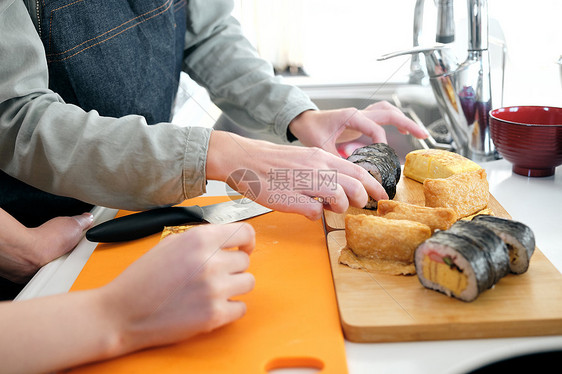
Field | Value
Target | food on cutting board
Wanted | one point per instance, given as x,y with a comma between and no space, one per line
382,163
435,218
353,210
518,237
436,163
469,249
387,245
493,247
483,212
467,259
454,265
169,230
347,257
466,193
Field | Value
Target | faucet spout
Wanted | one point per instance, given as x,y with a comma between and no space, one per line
474,83
445,22
477,25
417,74
462,91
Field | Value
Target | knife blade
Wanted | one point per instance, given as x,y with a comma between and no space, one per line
139,225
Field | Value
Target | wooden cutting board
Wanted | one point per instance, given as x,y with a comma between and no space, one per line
291,320
375,307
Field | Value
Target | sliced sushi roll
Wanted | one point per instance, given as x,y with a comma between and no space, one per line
354,158
518,237
453,265
491,245
382,163
367,150
381,173
380,150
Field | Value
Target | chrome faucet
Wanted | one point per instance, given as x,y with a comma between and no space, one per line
445,34
417,74
462,91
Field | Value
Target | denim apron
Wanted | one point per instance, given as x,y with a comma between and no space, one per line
115,56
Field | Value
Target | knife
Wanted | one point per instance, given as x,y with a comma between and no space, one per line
139,225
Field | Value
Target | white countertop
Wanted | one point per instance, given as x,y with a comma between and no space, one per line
536,202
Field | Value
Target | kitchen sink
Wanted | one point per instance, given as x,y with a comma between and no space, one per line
417,102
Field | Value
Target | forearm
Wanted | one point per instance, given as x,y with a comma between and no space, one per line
55,332
121,163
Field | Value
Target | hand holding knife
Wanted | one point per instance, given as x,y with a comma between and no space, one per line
139,225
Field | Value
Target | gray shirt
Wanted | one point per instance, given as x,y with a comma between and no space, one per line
123,162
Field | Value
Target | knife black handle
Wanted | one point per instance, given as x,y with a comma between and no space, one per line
139,225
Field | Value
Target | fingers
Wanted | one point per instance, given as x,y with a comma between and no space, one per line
84,220
383,105
384,113
291,201
241,235
237,310
233,262
223,314
314,180
226,278
364,124
69,227
231,310
348,172
62,234
239,284
214,242
354,190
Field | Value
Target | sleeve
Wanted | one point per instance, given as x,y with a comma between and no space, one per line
61,149
240,83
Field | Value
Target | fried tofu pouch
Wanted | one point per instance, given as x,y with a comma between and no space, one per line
387,245
170,230
348,258
436,163
466,193
354,210
483,212
436,218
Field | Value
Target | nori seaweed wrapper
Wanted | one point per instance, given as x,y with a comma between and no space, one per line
382,150
488,242
480,263
382,157
518,236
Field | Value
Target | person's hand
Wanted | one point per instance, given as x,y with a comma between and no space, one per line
24,250
182,287
288,178
324,129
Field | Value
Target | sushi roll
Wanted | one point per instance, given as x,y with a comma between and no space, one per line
382,163
381,150
383,172
354,158
518,237
491,245
453,265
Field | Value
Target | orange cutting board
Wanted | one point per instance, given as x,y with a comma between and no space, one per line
291,319
375,307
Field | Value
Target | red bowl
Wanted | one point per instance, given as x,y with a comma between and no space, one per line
530,137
